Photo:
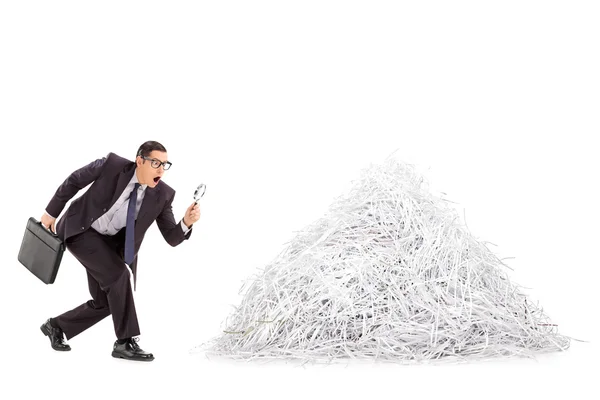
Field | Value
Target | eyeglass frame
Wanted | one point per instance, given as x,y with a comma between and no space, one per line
164,164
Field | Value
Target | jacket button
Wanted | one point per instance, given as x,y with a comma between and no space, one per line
91,219
82,228
104,209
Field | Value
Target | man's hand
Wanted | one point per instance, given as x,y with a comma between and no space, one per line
48,222
192,214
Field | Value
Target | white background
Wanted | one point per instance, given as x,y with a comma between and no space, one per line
277,106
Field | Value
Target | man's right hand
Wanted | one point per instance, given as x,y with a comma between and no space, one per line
48,222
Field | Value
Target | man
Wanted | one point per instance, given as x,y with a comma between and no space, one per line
104,229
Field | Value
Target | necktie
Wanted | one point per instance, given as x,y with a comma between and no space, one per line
130,225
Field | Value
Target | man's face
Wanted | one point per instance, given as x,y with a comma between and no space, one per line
147,174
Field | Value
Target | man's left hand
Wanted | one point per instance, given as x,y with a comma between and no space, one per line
192,214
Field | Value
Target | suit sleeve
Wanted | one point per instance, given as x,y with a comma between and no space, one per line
73,184
170,229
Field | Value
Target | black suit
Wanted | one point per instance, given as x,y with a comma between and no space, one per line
102,256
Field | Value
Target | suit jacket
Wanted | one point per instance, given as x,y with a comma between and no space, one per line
109,176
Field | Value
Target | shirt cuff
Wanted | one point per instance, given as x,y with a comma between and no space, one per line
49,214
185,228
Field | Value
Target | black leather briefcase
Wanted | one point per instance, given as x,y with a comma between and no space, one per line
41,251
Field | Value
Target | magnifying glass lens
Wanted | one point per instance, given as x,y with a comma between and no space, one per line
199,191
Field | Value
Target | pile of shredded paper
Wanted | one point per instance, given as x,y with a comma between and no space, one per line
389,273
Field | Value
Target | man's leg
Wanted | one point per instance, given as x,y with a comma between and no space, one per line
77,320
109,284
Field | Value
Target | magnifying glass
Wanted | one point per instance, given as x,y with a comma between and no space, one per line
200,190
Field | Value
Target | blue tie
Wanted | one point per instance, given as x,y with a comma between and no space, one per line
129,228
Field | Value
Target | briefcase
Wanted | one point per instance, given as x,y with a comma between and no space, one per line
41,251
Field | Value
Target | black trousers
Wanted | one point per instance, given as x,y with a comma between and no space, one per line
109,284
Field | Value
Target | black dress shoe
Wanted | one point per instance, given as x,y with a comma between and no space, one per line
55,335
130,350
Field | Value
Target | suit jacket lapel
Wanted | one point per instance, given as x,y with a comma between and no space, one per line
150,199
124,178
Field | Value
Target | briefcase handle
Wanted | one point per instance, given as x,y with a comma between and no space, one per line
52,233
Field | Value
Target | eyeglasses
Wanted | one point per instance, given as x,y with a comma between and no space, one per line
157,163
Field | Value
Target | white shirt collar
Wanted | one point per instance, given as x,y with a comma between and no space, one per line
134,180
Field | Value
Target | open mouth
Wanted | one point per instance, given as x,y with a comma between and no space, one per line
156,179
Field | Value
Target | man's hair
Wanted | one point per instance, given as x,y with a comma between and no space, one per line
148,147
